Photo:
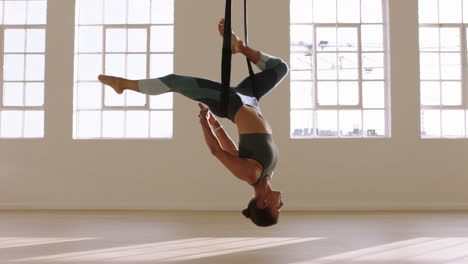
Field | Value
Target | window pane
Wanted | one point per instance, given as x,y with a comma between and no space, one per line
348,93
327,93
13,68
90,11
135,99
161,124
301,94
302,123
372,37
13,94
115,11
90,39
113,124
347,39
14,13
89,124
139,11
162,38
327,123
15,40
373,66
35,40
348,66
111,98
89,67
351,123
302,75
161,65
136,66
450,11
430,93
374,123
429,66
450,66
116,40
373,94
450,39
37,12
302,38
301,11
324,11
453,123
465,11
371,11
11,124
33,124
162,11
137,40
429,39
466,123
301,61
1,12
428,11
137,123
430,123
34,94
162,101
326,66
451,93
89,96
326,39
349,11
115,64
35,67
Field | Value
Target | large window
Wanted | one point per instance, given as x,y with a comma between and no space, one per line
443,55
126,38
22,52
338,69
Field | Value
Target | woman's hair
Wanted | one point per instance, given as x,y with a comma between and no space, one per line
260,217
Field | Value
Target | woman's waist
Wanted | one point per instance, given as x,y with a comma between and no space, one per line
249,120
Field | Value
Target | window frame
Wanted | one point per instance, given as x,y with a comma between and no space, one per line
24,108
103,53
360,80
463,52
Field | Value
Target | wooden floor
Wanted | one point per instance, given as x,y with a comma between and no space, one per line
225,237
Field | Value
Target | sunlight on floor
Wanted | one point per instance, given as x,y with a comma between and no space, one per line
175,250
430,249
12,242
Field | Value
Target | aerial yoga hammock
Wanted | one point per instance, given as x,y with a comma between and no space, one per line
227,55
256,156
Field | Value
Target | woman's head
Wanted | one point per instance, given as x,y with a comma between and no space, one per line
264,211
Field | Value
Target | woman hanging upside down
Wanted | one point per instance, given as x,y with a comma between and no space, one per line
255,159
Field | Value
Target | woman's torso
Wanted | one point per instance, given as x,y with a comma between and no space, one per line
249,120
256,141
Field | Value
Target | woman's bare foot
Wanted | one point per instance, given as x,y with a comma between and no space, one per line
237,44
114,82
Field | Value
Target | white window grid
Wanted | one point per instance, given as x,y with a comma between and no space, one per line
162,103
313,131
439,119
21,120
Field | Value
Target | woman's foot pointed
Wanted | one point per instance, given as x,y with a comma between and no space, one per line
237,45
113,82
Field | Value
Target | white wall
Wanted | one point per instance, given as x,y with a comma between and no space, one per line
402,172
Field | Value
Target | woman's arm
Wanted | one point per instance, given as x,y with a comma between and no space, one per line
243,169
224,139
210,138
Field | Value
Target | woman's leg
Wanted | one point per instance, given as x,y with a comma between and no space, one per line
273,71
198,89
